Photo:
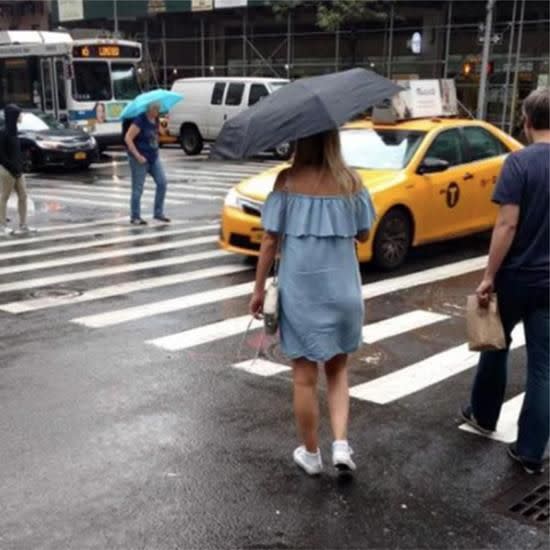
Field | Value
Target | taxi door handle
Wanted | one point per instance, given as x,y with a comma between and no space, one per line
468,176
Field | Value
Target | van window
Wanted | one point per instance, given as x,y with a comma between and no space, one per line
234,94
217,93
257,91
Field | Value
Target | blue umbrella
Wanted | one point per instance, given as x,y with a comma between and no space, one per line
139,105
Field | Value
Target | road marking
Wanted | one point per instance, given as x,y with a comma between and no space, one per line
132,251
95,243
427,276
211,188
205,334
261,367
108,271
69,225
117,316
121,289
427,372
400,324
225,173
103,192
74,200
507,426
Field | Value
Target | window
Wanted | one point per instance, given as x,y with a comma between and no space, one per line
379,149
60,75
125,84
481,144
91,81
234,94
217,93
447,146
257,91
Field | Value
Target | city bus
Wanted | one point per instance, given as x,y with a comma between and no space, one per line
86,83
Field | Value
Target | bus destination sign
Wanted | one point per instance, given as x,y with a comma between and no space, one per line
106,51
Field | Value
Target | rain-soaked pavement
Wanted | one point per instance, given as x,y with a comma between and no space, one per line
129,420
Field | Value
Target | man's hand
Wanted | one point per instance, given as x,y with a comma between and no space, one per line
484,291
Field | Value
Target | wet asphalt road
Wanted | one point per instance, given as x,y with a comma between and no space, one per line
115,436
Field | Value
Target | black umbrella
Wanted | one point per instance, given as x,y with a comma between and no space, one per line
300,109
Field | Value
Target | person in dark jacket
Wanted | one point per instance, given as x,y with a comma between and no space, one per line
11,171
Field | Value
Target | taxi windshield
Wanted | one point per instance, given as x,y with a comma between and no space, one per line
370,149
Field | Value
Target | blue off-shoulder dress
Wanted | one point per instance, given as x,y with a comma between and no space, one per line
321,305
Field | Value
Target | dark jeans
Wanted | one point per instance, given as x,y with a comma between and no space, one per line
529,305
139,173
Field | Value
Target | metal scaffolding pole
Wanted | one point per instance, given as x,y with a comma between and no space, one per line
146,55
164,60
337,49
508,67
390,41
244,43
115,17
448,38
516,69
482,94
288,42
203,56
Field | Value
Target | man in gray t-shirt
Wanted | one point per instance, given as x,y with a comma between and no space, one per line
519,271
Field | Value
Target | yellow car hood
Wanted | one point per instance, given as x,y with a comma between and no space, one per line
258,187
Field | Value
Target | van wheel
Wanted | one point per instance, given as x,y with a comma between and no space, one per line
283,151
393,240
191,140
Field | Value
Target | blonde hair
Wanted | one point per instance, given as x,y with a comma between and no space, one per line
323,152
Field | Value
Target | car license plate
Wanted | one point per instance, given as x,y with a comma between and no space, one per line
80,156
256,237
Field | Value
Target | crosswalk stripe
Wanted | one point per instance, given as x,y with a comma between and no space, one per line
172,185
261,367
95,243
224,173
400,324
507,426
418,376
204,334
115,317
427,276
114,270
103,192
121,289
74,200
131,251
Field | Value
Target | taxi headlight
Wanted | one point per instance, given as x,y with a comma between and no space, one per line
232,200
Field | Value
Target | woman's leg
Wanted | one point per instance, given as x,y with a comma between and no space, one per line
157,172
338,395
7,181
21,190
138,173
306,405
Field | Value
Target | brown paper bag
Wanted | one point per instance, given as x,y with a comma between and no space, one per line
484,326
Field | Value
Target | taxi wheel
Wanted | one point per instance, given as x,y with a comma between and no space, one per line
28,161
393,240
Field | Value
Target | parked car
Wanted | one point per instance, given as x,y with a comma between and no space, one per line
430,179
47,142
209,102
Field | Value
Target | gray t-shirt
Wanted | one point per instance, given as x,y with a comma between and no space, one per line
525,181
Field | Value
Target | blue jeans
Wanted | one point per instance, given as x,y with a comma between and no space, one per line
139,173
518,303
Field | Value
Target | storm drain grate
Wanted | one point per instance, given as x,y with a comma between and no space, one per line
527,502
535,505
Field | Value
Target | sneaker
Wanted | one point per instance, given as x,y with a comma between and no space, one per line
24,230
528,466
311,463
162,219
138,221
5,231
468,417
341,456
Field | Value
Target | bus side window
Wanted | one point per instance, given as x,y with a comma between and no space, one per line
61,92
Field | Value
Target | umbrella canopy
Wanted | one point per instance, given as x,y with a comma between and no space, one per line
300,109
139,105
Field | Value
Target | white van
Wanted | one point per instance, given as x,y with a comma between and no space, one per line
209,102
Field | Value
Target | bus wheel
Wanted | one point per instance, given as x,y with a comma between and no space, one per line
191,140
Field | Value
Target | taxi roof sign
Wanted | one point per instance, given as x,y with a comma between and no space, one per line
419,99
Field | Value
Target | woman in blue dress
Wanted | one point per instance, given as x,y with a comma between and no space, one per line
318,209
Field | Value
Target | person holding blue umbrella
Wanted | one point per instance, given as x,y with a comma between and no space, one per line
141,139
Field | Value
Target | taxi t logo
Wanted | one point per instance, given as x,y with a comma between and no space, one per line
453,195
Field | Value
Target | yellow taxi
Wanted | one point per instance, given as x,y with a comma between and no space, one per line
430,179
165,137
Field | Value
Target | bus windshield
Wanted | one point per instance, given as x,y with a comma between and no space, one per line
91,81
125,84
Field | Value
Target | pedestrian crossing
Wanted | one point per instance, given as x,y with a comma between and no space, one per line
170,271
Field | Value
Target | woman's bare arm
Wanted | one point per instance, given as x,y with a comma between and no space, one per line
131,135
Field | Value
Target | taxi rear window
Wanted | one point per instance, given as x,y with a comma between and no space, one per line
376,149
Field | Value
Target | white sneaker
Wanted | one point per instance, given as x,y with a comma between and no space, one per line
311,463
341,456
24,230
5,231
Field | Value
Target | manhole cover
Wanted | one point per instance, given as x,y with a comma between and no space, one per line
56,293
526,503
